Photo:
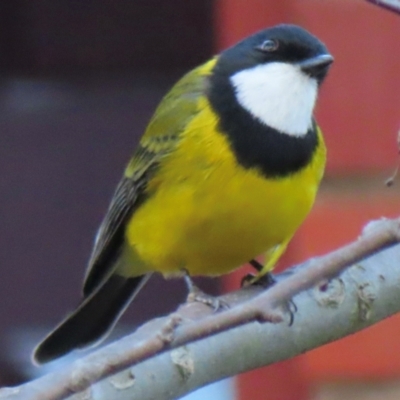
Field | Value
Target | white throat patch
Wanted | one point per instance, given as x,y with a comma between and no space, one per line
279,95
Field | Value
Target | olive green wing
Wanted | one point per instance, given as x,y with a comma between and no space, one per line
171,117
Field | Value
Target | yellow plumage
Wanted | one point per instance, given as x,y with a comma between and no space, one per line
207,214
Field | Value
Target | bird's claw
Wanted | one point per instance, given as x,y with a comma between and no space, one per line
196,295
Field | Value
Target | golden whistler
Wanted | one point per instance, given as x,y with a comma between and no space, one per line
227,170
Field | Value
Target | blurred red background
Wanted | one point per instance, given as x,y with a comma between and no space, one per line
359,111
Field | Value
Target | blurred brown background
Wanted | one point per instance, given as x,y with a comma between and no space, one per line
79,81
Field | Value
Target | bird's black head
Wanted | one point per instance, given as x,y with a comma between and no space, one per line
282,43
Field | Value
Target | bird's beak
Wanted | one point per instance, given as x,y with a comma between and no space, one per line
317,67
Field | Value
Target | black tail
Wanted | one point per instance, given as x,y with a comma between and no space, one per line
92,320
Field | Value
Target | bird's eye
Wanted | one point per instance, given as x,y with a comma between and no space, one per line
268,46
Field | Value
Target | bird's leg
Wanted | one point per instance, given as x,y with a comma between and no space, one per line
267,280
197,295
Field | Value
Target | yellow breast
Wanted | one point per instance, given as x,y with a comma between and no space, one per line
208,215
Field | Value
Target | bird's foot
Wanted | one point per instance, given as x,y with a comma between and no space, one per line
196,295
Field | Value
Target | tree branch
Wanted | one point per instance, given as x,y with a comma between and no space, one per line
392,5
366,293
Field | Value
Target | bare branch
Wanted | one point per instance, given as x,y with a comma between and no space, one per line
392,5
193,322
363,295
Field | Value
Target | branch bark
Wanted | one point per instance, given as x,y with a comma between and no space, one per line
363,295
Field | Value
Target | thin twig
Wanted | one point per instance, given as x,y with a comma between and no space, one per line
392,5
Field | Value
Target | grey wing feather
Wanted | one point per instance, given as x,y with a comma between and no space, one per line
110,236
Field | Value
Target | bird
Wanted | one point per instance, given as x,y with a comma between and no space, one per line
226,170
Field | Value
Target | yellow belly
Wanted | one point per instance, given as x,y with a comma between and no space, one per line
206,214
